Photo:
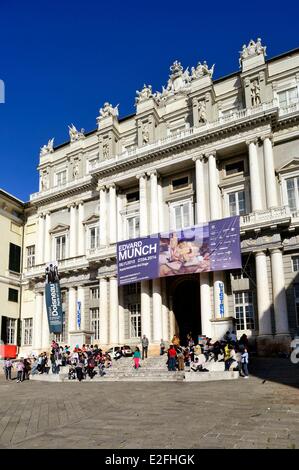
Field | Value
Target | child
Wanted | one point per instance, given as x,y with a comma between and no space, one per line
20,369
245,363
137,357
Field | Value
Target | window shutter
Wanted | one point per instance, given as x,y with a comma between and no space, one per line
3,329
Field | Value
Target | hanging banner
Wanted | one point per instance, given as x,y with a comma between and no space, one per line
214,246
79,314
53,298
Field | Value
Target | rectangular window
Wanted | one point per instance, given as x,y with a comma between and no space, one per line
30,256
13,295
95,322
61,178
180,183
133,226
11,330
135,320
60,247
14,258
244,310
288,97
94,293
94,237
233,168
293,194
295,263
181,215
132,289
237,203
133,197
27,331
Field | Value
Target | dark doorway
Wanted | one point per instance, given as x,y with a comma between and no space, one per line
186,308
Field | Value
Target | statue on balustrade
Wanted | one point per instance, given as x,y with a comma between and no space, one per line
75,134
255,93
48,148
202,113
107,110
144,95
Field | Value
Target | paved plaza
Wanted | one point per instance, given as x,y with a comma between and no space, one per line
262,412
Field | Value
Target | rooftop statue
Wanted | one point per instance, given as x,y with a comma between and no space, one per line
75,134
253,48
144,94
48,148
107,110
201,69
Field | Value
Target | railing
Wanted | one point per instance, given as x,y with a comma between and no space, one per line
292,108
65,264
61,187
270,215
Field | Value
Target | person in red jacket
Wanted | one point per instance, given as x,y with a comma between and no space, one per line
171,358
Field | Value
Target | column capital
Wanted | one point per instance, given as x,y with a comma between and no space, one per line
152,173
260,253
254,140
267,136
72,204
47,213
113,277
101,187
200,157
141,175
79,203
210,153
275,250
111,186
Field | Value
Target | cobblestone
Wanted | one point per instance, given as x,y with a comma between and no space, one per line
230,414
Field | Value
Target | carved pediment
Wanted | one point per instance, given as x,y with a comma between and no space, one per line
292,164
93,219
59,228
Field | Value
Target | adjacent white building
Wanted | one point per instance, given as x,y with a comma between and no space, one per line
201,149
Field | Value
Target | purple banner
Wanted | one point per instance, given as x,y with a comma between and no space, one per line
214,246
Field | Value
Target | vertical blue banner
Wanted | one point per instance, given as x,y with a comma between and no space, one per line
79,314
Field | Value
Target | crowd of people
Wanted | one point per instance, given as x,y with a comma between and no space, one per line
196,357
90,360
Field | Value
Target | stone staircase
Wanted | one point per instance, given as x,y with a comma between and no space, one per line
153,369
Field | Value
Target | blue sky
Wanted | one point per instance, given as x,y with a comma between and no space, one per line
60,60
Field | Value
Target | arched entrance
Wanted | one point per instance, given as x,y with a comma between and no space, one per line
186,308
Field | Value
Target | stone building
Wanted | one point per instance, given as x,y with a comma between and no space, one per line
201,149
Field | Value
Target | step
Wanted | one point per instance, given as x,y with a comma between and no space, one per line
211,376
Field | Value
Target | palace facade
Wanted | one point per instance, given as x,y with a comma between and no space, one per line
199,150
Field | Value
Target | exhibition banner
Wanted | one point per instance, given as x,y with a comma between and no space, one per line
213,246
53,298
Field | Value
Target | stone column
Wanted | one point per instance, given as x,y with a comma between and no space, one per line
72,317
81,298
47,252
165,312
263,297
45,333
161,206
119,206
81,230
145,310
171,319
213,187
104,337
255,183
73,231
143,205
38,321
201,213
121,315
157,311
205,304
271,190
40,239
154,203
112,214
279,293
113,310
103,216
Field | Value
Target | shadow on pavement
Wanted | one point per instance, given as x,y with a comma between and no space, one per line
280,370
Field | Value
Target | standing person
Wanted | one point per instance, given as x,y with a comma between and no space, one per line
20,369
7,368
171,358
79,369
245,360
162,347
181,362
144,343
27,369
239,362
136,358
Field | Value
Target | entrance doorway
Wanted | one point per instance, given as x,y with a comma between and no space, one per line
186,307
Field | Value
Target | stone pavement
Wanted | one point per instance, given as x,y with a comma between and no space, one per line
261,412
